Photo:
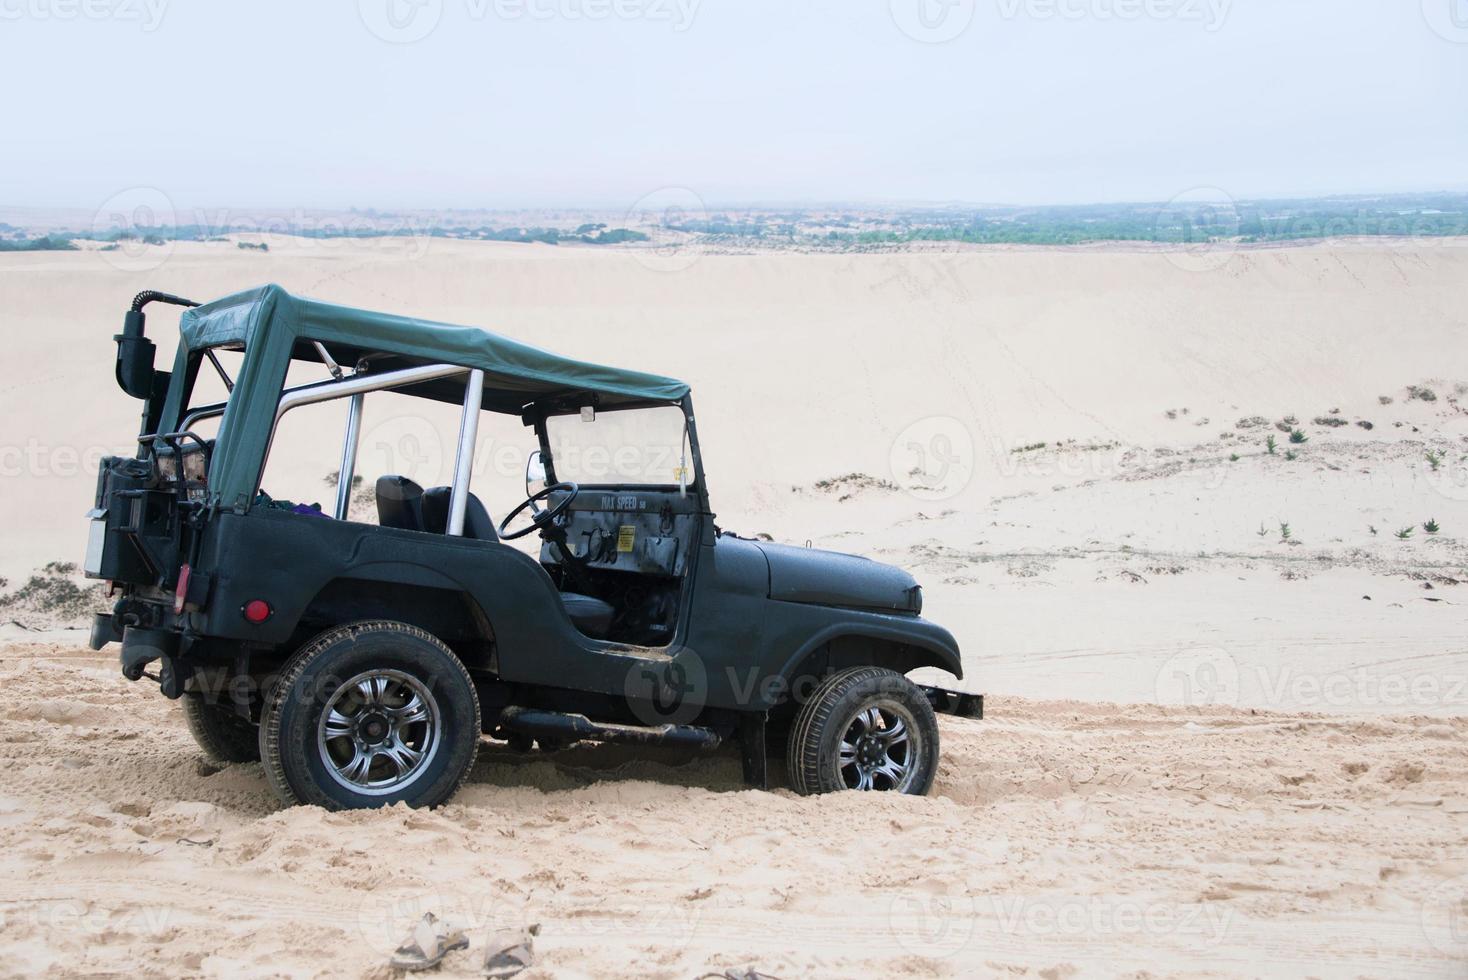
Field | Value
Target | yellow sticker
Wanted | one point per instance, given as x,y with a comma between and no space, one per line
626,534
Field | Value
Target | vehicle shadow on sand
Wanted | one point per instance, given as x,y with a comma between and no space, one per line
586,763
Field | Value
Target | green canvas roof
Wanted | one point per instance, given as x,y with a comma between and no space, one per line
515,373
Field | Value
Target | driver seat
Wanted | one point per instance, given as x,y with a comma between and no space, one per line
477,522
588,614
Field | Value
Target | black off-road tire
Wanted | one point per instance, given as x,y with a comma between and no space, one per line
224,736
813,755
293,711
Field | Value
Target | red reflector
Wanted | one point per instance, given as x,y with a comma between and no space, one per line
182,589
257,610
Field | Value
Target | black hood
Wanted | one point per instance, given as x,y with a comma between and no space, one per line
832,579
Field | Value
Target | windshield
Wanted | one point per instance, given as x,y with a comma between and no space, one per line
638,446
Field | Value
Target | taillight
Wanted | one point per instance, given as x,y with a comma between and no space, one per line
182,590
256,611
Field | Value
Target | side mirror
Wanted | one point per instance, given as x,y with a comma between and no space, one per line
534,473
135,354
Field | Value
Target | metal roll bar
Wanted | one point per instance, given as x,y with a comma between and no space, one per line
358,385
464,458
346,472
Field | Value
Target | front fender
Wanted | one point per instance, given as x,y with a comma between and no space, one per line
932,645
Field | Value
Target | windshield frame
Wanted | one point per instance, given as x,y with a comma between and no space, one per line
539,416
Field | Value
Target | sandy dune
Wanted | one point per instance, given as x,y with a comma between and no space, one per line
803,367
1213,748
1062,839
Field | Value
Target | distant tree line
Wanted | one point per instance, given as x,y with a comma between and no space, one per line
46,243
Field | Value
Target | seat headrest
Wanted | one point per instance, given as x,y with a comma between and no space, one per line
399,503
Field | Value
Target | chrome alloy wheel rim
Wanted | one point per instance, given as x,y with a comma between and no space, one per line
379,732
880,748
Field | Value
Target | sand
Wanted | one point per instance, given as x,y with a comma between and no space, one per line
1209,751
1062,838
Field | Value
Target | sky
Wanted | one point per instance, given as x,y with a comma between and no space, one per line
600,103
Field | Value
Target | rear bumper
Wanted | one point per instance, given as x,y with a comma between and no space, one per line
140,647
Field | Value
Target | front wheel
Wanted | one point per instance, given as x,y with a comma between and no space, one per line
367,715
864,728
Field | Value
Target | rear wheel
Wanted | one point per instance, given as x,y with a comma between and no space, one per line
370,714
224,736
864,728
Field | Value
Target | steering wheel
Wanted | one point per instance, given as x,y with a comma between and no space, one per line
539,519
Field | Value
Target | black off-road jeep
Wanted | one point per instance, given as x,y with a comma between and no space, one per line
362,662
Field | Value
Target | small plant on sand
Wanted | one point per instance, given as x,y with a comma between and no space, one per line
1233,457
1431,526
853,482
1421,393
1284,531
1434,459
1372,529
1291,454
1405,533
1298,437
52,593
1269,445
1263,531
